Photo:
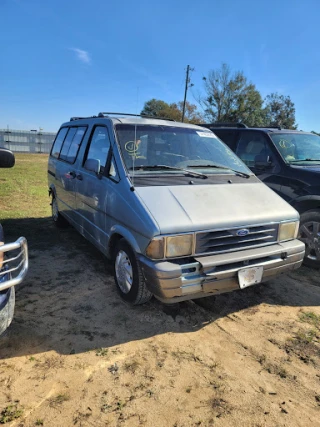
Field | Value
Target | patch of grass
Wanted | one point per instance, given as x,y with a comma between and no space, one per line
102,352
10,413
59,399
277,370
304,345
24,189
39,422
131,366
310,317
219,406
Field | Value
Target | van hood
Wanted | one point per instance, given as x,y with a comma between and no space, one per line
203,207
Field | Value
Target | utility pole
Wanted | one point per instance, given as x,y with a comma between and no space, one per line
186,90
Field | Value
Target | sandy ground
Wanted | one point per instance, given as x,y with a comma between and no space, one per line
75,354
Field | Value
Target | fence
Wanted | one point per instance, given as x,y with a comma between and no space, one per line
23,141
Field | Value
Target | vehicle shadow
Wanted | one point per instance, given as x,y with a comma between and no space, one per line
68,302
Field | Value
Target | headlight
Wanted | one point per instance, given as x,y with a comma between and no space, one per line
179,245
170,246
288,230
155,249
1,256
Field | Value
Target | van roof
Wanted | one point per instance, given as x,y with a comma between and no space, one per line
124,118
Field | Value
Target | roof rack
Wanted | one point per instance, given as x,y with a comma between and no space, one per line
269,127
101,115
226,124
79,118
134,115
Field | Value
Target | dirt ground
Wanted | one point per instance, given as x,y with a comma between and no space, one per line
76,354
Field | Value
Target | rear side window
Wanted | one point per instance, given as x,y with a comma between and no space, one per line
227,136
72,143
67,143
58,142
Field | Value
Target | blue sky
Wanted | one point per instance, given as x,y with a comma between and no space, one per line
66,58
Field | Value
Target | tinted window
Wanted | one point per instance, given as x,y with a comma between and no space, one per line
250,145
227,136
58,142
75,144
99,146
67,143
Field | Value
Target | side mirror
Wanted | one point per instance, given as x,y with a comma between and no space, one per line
7,159
262,161
93,165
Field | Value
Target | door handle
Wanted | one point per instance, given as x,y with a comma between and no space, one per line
72,174
79,177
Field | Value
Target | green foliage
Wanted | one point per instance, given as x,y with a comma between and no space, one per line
229,97
10,413
280,111
159,108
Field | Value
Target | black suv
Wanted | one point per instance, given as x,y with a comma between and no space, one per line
288,161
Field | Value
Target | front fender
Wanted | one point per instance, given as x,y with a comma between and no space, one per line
135,240
306,203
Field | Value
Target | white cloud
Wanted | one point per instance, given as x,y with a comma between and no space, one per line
82,55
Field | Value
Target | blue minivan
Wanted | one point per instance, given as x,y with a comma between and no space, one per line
177,212
13,261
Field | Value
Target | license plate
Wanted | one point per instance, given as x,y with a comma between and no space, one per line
250,276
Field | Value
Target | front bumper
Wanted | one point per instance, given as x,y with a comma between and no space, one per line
15,264
178,280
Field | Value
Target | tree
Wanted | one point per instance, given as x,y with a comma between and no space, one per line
159,108
230,98
280,111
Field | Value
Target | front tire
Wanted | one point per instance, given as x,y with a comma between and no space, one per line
309,233
128,276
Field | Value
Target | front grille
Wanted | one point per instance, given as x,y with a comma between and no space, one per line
228,240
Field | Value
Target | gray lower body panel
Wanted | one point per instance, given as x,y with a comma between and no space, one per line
176,280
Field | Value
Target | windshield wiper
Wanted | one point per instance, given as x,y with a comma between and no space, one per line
243,174
161,167
304,160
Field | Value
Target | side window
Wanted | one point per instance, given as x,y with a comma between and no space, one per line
250,145
99,146
67,143
58,142
75,144
227,136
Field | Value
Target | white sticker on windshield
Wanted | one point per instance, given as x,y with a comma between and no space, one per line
206,134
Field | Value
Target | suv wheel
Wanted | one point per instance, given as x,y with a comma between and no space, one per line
309,234
128,276
58,219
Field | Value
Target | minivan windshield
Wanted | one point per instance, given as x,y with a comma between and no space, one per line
298,148
156,149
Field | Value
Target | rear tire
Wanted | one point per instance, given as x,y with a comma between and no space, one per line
57,218
309,233
128,276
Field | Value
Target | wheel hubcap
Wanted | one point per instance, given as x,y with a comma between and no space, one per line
124,273
55,211
310,235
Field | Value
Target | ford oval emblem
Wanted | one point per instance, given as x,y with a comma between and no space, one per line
242,232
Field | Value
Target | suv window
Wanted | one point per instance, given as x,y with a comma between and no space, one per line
227,136
250,145
99,146
58,142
